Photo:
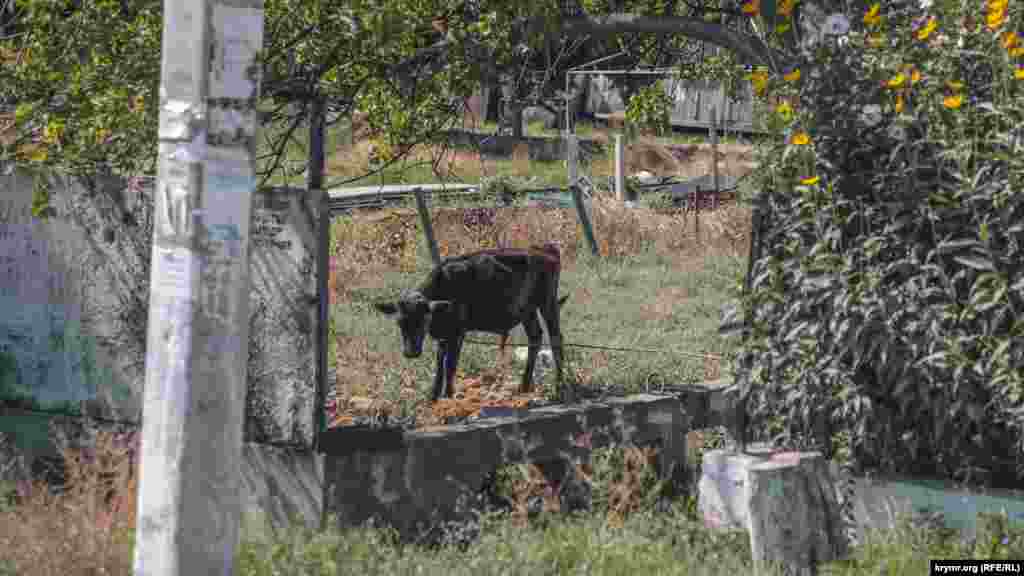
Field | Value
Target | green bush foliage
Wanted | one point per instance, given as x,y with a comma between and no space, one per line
888,293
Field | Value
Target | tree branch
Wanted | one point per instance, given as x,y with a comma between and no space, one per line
749,48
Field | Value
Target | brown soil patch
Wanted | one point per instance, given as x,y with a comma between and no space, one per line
665,303
651,157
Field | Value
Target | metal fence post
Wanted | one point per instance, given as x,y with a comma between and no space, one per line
428,229
189,503
620,177
581,212
317,195
572,158
696,213
714,154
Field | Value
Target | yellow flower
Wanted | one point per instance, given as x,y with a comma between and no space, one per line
915,76
928,28
39,154
995,19
1009,40
953,101
996,14
101,135
138,103
899,103
752,7
810,181
954,85
1019,73
785,110
872,17
896,81
1017,51
792,76
800,139
995,6
759,79
53,133
786,8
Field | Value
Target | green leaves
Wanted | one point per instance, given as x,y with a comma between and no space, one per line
649,109
917,327
73,63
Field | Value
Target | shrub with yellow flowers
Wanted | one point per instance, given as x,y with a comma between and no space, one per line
886,288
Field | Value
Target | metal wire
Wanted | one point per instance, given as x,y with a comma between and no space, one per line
611,348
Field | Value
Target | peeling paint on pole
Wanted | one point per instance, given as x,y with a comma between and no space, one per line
189,492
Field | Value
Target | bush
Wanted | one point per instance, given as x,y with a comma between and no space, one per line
886,296
649,110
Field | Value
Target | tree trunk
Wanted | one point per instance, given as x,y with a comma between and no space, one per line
785,500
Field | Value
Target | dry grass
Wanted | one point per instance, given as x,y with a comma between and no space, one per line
88,528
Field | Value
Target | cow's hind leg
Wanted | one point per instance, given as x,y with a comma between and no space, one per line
550,312
535,338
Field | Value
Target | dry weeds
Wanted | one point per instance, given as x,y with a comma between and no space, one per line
88,528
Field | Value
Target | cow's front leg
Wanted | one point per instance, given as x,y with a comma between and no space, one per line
439,374
535,338
452,364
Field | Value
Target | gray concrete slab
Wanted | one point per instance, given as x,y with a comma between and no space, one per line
281,486
412,480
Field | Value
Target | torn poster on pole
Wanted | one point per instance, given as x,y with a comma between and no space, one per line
234,73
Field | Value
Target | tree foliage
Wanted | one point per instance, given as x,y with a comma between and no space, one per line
84,75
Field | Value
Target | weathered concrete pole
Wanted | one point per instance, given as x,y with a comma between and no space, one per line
189,503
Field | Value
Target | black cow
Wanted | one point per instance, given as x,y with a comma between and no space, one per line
489,291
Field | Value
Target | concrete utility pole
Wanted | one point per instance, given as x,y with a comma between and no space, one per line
189,503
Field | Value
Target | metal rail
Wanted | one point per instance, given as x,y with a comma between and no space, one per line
342,204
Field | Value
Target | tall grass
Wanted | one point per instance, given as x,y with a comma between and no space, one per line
85,528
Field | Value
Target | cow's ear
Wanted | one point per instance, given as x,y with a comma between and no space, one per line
385,307
440,306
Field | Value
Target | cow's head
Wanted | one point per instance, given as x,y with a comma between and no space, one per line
414,313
